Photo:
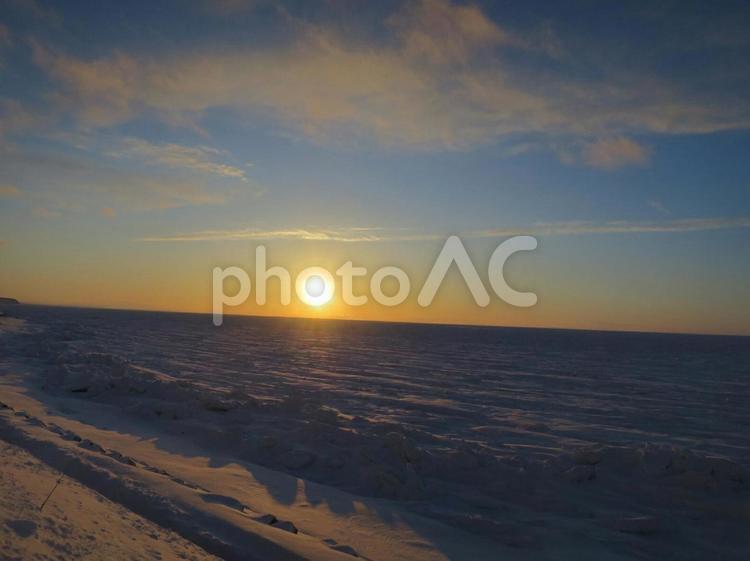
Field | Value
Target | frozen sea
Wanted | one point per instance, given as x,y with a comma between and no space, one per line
450,384
485,429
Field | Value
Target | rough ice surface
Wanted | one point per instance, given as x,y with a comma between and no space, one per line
547,443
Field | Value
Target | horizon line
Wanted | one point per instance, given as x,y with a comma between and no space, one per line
402,322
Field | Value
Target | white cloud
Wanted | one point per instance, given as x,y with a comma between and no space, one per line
619,227
199,158
444,33
438,81
310,234
382,235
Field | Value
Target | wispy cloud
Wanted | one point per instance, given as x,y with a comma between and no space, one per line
616,152
384,235
142,192
309,234
195,158
442,75
57,183
658,205
445,33
618,227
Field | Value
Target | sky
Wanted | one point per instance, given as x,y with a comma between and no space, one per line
142,144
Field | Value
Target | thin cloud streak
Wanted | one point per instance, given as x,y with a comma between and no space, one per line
60,182
541,229
618,227
337,235
176,156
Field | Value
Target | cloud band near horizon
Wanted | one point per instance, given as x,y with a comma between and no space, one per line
351,235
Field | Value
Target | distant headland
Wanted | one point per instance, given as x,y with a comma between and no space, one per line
8,300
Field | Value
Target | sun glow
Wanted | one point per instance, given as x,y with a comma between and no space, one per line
315,286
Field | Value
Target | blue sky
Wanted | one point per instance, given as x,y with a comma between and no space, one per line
136,135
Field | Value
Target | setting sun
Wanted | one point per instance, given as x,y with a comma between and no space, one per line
315,286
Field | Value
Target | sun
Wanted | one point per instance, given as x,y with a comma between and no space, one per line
315,286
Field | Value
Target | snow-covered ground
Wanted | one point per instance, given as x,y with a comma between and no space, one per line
45,515
275,439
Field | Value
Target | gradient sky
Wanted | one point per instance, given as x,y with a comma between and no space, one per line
144,143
